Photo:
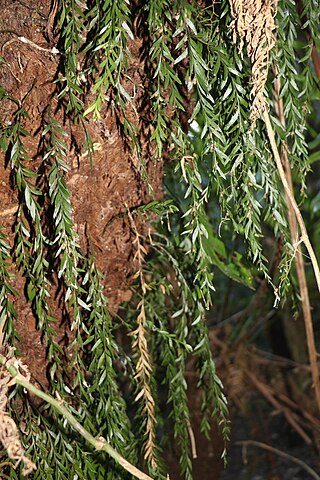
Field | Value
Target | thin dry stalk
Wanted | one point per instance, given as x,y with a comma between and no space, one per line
144,364
301,274
304,234
192,442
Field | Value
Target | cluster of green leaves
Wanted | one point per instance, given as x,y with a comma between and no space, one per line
58,451
165,84
221,179
292,57
8,314
91,385
30,240
94,40
172,39
182,335
71,14
101,389
297,35
65,238
230,160
225,165
108,33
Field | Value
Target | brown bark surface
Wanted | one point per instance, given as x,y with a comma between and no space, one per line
101,191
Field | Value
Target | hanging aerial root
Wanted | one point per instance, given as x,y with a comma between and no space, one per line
253,25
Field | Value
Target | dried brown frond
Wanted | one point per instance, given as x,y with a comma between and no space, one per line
254,26
9,435
236,382
144,363
235,364
248,369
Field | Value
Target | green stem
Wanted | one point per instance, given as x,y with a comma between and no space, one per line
98,443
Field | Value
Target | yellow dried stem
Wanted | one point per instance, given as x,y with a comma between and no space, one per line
144,364
253,26
301,274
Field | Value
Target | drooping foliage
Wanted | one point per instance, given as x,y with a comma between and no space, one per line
222,188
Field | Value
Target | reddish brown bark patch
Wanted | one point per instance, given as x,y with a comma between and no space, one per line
101,191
